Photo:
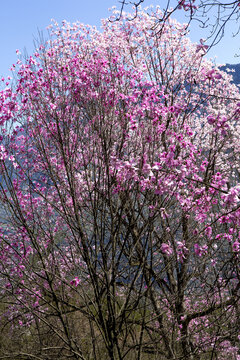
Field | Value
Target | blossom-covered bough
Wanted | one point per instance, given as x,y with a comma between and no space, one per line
214,17
119,165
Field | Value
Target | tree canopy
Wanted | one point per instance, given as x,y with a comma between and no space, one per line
119,165
213,16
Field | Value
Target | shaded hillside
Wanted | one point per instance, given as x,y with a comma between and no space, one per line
235,73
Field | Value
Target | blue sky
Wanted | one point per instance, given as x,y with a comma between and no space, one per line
20,21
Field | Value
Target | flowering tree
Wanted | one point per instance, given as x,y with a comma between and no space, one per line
119,189
215,16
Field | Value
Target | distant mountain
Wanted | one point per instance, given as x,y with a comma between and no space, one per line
235,74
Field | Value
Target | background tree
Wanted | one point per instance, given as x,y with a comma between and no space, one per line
120,167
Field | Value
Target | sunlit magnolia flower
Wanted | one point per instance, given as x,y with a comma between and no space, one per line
201,46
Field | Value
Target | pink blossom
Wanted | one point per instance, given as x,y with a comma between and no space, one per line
75,281
236,246
208,231
200,250
166,249
211,119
